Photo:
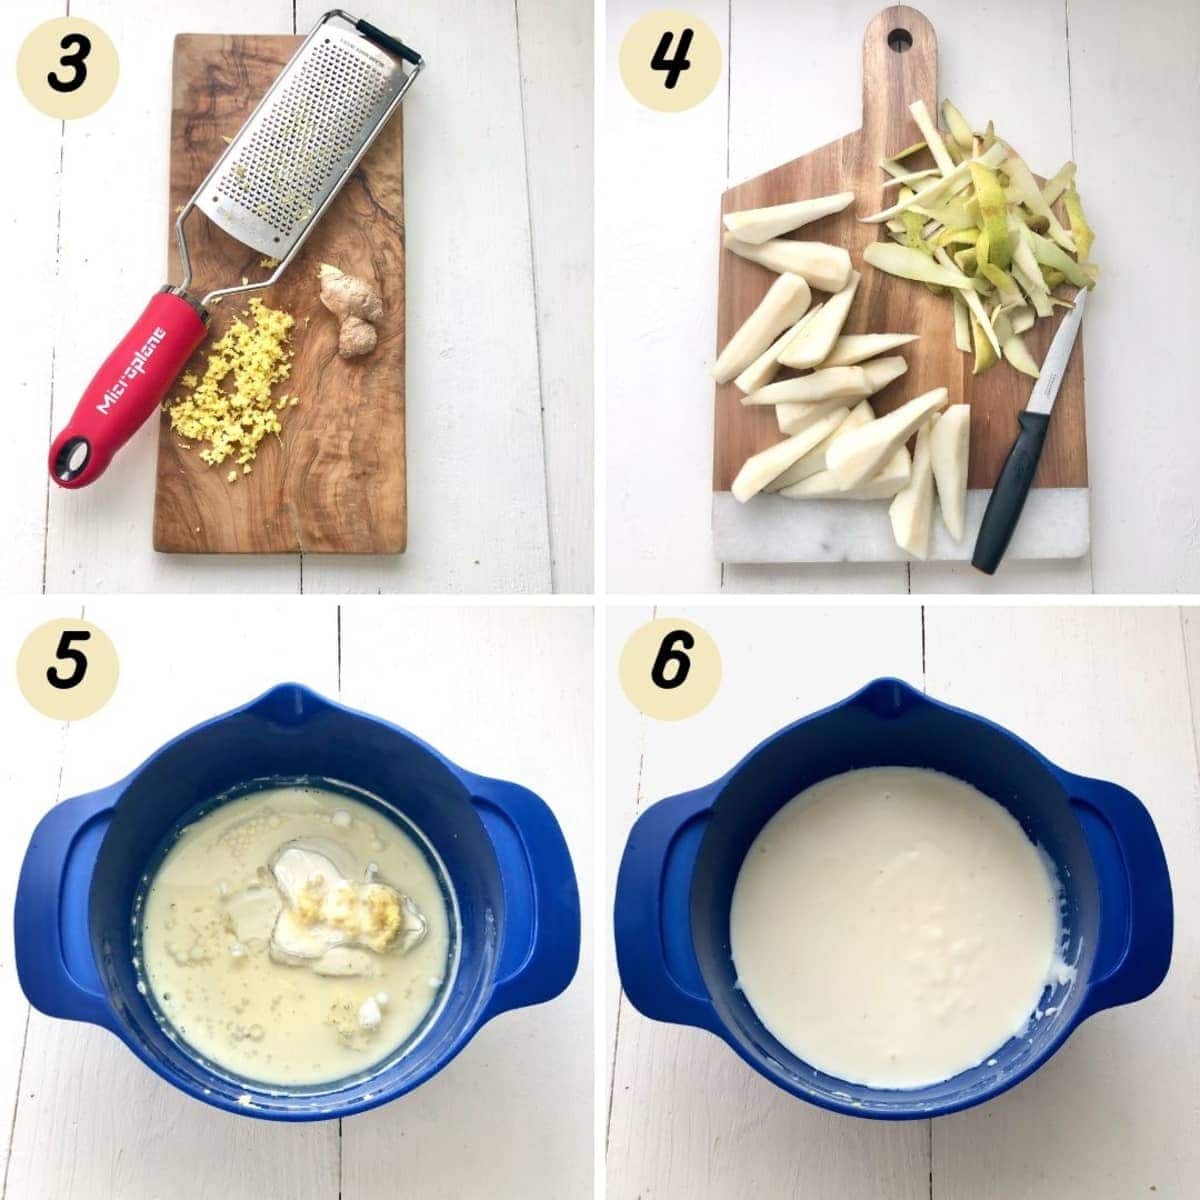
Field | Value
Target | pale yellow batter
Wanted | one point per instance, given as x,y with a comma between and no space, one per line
894,926
295,936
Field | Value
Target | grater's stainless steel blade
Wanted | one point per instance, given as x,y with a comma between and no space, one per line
296,148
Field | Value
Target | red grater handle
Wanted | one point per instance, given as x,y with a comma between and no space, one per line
132,383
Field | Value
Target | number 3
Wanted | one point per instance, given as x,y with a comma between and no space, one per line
66,653
83,47
669,653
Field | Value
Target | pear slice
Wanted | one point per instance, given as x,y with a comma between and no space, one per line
911,512
814,461
796,418
857,456
913,264
950,449
786,301
824,266
933,137
829,383
759,225
960,129
883,486
814,342
852,348
766,366
759,469
883,371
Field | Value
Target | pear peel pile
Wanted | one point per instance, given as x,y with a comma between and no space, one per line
978,226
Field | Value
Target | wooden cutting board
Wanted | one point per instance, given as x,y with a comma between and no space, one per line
334,480
771,528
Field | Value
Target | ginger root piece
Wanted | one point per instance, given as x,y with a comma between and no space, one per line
357,337
355,303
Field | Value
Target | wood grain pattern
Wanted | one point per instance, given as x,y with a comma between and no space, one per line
335,479
891,82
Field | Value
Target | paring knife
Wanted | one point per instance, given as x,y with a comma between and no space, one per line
1008,496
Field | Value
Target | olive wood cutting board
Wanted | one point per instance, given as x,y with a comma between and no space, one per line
772,529
334,480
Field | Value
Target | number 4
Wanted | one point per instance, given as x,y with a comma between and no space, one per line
674,67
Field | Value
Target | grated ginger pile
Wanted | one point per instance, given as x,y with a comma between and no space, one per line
231,408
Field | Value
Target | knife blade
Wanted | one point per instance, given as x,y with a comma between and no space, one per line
1016,476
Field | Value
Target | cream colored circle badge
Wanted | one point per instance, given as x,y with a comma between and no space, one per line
670,60
670,669
67,68
67,669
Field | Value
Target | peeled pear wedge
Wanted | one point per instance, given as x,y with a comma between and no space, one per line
894,475
883,371
853,348
758,225
759,469
825,267
796,418
861,453
812,344
949,452
766,366
829,383
814,461
786,301
911,512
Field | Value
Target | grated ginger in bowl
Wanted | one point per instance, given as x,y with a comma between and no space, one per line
232,408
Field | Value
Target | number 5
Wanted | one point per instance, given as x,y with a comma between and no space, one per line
67,653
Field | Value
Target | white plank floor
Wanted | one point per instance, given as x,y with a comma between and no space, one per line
81,1118
498,174
1090,71
1110,692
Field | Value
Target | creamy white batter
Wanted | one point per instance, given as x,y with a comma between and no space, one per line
295,936
893,926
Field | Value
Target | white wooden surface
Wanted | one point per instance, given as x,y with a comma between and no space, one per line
1110,692
1089,75
81,1118
499,229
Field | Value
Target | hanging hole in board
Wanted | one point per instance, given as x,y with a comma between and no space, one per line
900,40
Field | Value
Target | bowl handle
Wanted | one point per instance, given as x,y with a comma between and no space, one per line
51,938
540,948
643,888
1136,912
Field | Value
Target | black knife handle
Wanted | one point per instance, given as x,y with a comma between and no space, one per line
1008,496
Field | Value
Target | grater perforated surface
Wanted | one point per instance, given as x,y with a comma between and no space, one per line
294,150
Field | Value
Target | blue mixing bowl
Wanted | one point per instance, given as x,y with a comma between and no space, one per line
683,857
497,846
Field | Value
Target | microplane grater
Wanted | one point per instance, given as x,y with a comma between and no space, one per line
270,187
